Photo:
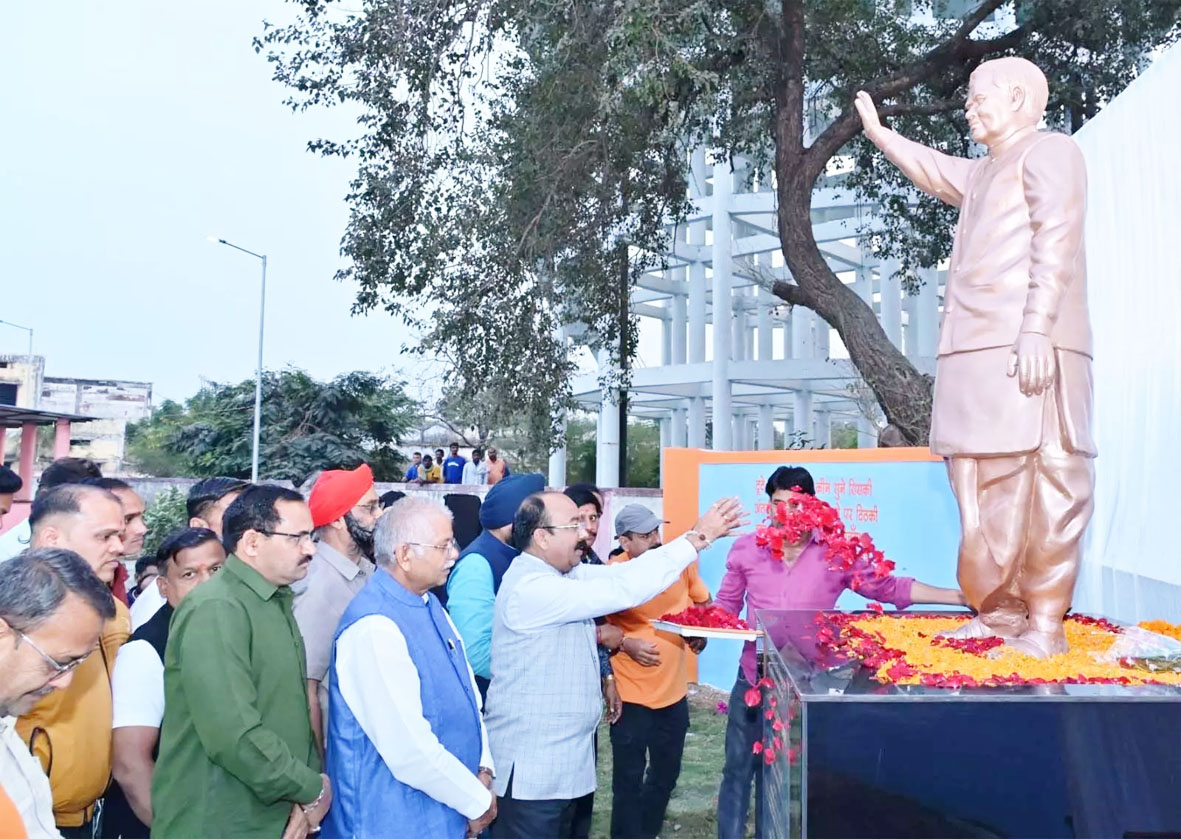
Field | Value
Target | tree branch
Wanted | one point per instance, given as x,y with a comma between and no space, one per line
791,293
769,281
920,108
959,47
459,432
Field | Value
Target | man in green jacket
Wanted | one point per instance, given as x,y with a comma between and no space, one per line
237,754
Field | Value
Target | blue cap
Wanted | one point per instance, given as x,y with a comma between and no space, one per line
502,501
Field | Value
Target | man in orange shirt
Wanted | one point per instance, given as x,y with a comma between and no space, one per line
653,682
69,730
497,468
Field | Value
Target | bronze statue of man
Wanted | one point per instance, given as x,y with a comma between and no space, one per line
1012,406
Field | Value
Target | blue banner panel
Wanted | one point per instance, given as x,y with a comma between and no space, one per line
907,507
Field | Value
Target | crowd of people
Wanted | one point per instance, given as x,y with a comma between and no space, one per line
484,468
328,664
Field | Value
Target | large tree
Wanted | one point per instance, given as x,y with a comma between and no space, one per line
518,161
306,425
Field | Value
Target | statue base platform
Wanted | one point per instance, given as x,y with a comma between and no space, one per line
857,758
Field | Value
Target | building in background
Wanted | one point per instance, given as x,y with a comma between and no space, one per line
114,402
20,380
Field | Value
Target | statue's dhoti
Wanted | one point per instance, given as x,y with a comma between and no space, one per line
1022,515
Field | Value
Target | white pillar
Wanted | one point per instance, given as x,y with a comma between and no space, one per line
802,414
821,333
766,327
787,337
766,428
737,326
867,437
697,422
891,301
823,433
697,269
723,180
678,327
666,342
677,435
802,344
557,459
926,313
864,282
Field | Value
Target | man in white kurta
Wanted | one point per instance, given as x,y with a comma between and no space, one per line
545,700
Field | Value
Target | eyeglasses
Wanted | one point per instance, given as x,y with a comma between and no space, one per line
576,526
443,547
298,537
372,509
59,669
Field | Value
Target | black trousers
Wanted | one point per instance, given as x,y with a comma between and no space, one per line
555,818
645,738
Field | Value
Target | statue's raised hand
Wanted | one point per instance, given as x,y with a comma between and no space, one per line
868,112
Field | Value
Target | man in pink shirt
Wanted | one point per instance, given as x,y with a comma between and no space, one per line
802,580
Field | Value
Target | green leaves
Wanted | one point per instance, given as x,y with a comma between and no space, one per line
508,152
306,425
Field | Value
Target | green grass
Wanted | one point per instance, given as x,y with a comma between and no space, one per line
692,811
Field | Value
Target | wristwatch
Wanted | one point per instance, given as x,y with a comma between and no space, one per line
697,535
491,774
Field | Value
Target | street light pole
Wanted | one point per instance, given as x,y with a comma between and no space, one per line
262,308
30,374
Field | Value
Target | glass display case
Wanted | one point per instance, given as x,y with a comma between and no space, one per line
858,758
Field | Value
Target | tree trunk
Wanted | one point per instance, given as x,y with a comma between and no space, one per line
902,391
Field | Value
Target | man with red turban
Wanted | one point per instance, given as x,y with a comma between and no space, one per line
345,509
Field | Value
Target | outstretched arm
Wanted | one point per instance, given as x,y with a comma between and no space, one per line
937,174
923,593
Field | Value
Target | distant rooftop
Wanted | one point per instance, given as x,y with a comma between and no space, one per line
13,417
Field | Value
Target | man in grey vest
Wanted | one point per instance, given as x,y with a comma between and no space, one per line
545,702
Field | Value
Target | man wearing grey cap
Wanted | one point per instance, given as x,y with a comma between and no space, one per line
544,703
649,740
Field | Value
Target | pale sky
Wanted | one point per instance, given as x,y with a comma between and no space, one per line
130,131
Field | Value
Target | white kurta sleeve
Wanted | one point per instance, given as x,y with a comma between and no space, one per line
594,591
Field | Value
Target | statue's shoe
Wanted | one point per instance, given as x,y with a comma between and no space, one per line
1039,644
977,628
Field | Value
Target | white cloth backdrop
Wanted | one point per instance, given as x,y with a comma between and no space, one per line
1132,560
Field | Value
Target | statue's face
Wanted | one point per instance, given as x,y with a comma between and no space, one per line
993,109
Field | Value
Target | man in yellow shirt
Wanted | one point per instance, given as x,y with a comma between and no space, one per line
429,472
653,682
69,730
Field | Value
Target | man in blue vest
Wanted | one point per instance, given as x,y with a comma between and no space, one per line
472,586
407,749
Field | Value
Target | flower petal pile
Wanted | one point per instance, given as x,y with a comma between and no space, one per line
1171,630
907,649
847,552
710,617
